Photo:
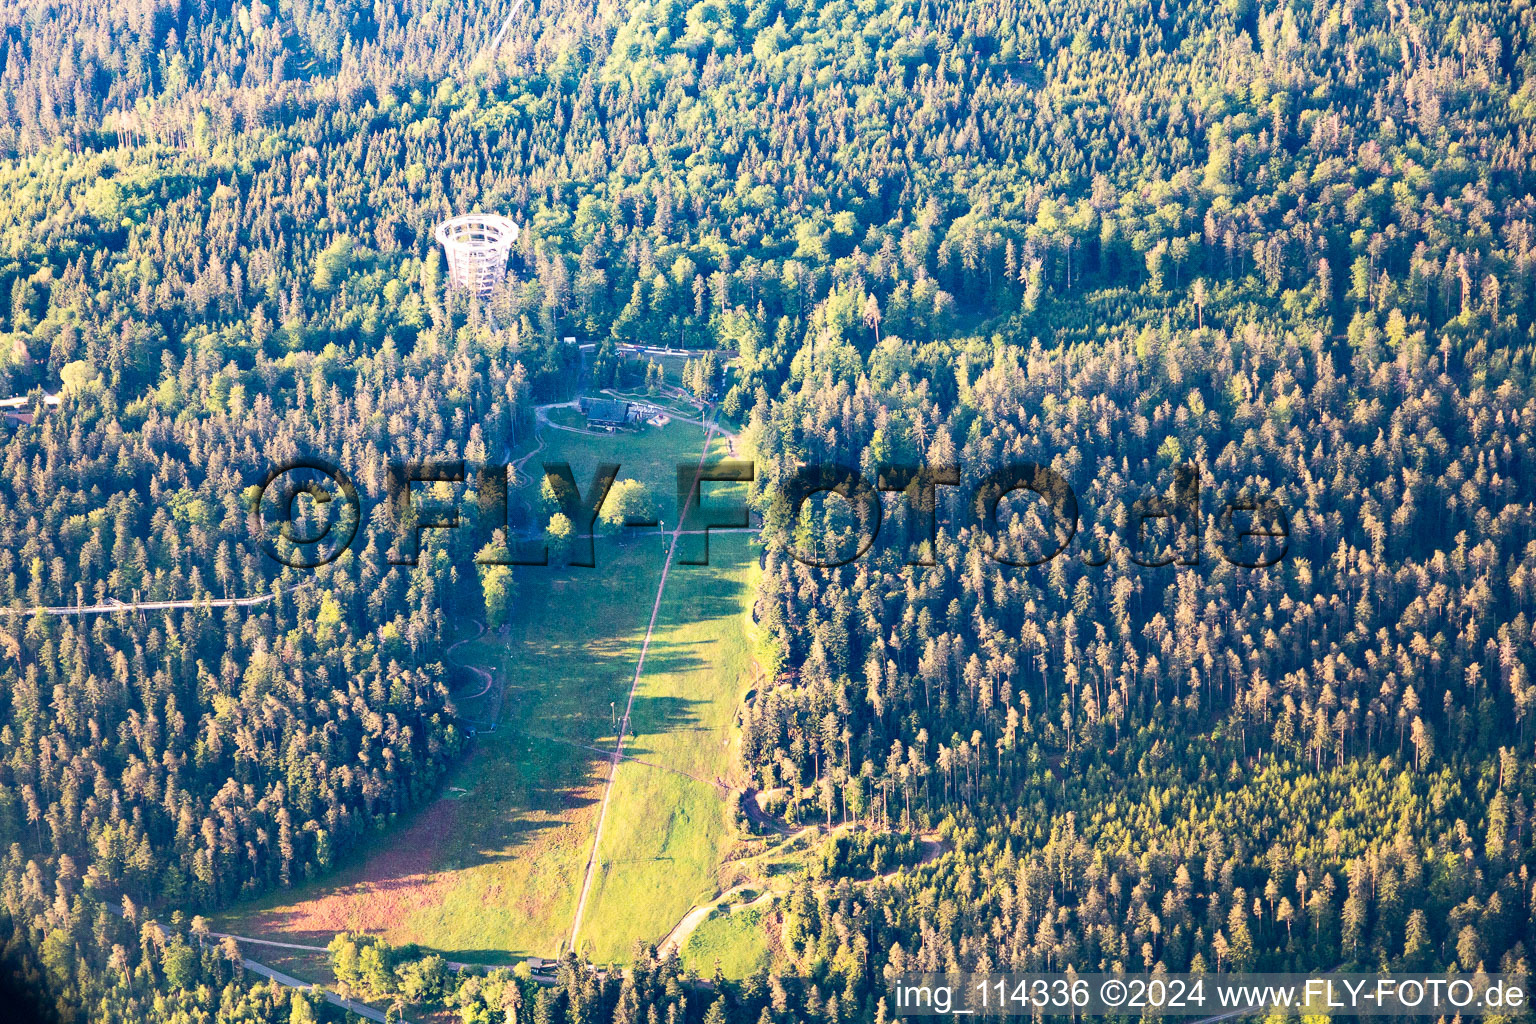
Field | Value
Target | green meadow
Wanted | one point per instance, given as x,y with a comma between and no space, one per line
735,941
669,820
492,870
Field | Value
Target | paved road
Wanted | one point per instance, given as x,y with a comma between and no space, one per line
287,979
331,997
662,350
452,965
541,413
269,942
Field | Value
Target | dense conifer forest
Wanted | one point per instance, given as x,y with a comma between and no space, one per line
1290,244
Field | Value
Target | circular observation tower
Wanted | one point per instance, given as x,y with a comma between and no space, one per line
477,245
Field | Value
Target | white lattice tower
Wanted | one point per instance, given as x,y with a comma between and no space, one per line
477,245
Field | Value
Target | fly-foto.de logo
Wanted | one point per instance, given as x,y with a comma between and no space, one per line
306,535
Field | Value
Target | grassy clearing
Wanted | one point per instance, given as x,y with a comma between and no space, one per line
736,941
314,968
567,417
568,657
668,832
491,871
672,366
649,454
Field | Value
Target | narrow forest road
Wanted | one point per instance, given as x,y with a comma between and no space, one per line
288,980
933,848
502,32
350,1005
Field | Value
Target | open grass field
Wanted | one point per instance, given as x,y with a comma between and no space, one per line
737,941
669,829
567,417
491,871
650,455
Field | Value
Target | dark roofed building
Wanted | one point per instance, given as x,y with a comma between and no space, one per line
605,412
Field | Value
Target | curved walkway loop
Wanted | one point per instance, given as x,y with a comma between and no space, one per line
487,679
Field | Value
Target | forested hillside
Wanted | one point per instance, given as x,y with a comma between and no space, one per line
1289,244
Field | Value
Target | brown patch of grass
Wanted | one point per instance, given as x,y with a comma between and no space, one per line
378,894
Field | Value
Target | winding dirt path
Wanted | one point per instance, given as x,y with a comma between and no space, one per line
487,679
933,848
518,464
485,676
699,914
